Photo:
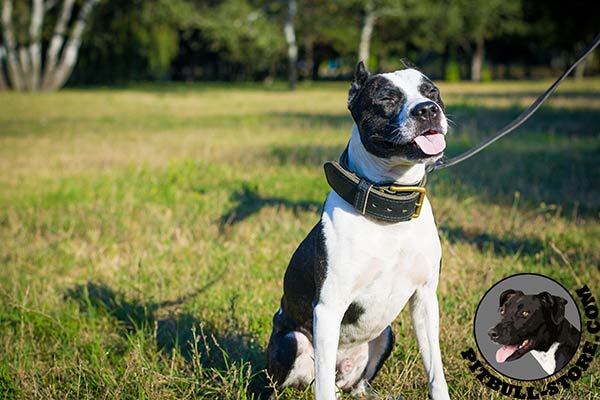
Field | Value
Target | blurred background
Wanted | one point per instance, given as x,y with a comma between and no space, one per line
115,42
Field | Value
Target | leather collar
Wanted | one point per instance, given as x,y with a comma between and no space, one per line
390,203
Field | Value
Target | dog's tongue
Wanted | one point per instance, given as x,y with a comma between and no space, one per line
432,143
504,352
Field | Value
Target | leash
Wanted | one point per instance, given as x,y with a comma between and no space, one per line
525,115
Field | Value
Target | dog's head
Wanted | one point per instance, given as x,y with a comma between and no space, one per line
527,322
398,114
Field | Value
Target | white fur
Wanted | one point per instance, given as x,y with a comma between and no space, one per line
376,169
409,80
547,359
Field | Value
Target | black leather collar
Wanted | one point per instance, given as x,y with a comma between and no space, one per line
390,203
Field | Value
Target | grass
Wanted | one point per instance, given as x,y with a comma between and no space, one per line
144,232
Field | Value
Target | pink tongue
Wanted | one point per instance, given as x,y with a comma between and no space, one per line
431,144
504,352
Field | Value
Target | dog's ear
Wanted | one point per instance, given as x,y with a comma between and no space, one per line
507,294
360,77
408,64
555,304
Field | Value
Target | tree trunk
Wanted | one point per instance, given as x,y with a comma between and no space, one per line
56,43
290,38
366,33
25,67
477,60
309,57
24,62
580,69
3,83
15,74
71,50
35,47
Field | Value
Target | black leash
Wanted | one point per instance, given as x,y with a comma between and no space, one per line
441,164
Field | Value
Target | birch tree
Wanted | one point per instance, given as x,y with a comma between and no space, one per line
366,32
482,20
290,38
373,10
21,66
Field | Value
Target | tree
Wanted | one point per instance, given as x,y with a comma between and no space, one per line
290,38
23,47
389,28
560,31
477,21
372,11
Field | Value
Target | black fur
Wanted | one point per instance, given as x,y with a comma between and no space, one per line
353,314
375,104
302,283
539,319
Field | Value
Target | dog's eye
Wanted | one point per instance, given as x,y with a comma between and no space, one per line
524,313
433,92
388,99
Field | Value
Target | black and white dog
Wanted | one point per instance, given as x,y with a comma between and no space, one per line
354,273
535,324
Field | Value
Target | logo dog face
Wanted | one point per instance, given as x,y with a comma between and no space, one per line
528,322
398,114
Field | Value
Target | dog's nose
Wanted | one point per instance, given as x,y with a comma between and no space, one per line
426,110
493,334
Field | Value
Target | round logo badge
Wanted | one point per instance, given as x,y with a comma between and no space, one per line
527,327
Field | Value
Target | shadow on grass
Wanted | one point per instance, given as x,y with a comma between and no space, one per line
561,175
249,202
180,331
483,121
500,246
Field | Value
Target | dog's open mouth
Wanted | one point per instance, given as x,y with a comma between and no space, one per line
431,142
509,352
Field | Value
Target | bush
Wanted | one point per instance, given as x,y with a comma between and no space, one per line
452,71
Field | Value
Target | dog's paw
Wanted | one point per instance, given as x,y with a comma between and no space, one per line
362,391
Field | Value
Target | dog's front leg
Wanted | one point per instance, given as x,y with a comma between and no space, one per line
326,334
425,318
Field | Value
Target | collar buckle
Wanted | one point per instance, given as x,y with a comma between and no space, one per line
411,189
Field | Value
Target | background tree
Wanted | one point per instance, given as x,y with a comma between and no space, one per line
327,34
559,31
476,21
119,41
374,10
290,38
23,47
134,40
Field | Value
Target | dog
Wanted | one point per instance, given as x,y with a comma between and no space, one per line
357,268
536,324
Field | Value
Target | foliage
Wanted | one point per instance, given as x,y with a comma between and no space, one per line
452,72
133,39
243,32
243,39
483,19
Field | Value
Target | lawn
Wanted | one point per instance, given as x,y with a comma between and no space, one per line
144,231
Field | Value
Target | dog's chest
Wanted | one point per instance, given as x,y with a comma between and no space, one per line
375,266
547,359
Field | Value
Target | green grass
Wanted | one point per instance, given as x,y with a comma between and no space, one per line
144,232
